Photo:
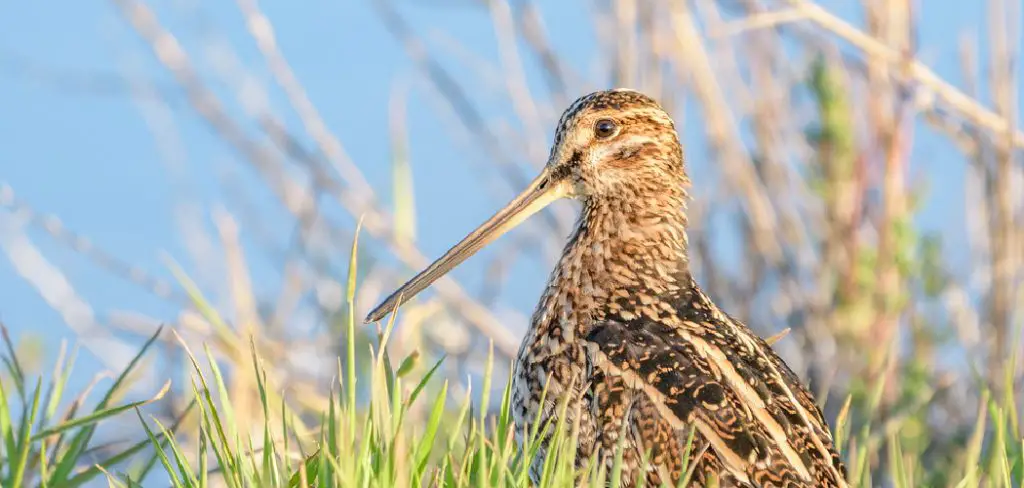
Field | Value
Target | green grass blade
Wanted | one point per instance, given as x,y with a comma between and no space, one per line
175,481
350,340
78,443
98,468
97,416
426,443
19,463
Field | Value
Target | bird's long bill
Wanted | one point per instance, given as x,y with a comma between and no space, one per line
541,192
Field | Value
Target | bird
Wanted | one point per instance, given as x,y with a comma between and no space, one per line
624,331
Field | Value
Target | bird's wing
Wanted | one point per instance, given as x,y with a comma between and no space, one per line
728,386
649,440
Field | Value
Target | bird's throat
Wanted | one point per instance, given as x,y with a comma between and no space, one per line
621,254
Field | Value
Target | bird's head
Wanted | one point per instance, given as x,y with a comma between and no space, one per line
613,145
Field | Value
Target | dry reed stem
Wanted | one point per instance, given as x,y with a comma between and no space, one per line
758,21
297,200
262,31
519,93
56,289
554,69
721,130
79,244
971,109
1003,87
248,325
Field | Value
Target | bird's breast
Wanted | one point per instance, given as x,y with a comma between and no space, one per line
551,368
540,384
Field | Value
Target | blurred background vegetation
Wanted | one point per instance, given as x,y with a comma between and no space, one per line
844,189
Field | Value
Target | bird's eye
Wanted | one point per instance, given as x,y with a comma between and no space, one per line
605,128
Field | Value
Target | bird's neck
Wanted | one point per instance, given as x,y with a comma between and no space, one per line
624,253
631,243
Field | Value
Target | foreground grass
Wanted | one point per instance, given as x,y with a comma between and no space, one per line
375,446
373,443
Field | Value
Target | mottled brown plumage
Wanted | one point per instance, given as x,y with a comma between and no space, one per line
623,327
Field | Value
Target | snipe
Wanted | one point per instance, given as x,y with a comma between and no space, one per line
623,326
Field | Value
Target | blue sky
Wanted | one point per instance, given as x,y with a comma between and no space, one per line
92,160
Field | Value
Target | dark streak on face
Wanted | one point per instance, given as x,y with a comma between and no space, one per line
622,156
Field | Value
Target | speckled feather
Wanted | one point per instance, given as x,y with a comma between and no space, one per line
623,321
